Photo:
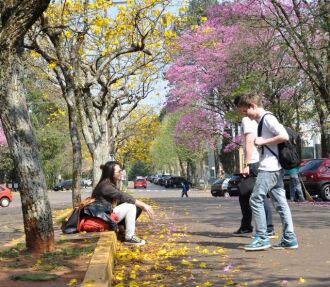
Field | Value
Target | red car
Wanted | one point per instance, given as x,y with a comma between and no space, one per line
140,182
5,196
315,174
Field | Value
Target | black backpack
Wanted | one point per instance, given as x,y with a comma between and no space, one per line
289,152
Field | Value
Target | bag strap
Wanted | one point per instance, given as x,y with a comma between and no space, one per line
260,132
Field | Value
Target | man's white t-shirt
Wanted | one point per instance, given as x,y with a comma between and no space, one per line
270,128
250,126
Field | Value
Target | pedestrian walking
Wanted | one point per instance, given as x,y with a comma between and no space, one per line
250,171
185,188
124,205
270,176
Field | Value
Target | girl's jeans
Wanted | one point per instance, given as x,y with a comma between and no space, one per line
127,211
272,183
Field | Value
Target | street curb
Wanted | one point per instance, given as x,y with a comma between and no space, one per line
100,269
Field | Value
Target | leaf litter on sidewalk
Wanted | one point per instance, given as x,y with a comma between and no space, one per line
170,258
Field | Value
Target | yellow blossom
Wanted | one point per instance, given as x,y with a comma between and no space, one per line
73,281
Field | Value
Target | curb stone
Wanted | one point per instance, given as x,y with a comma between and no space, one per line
100,269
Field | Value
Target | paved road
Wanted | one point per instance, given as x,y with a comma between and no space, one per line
210,222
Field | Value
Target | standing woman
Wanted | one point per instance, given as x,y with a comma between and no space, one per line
124,205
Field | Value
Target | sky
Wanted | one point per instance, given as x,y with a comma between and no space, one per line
157,98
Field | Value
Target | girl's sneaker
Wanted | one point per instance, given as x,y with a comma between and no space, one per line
135,241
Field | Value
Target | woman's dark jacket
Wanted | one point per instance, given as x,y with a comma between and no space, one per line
108,192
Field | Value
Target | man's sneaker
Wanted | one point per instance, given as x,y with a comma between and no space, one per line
135,241
286,244
270,234
258,244
241,232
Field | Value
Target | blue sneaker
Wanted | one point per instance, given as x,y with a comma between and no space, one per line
293,244
258,244
270,234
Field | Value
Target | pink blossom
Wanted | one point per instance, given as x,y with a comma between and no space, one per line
198,129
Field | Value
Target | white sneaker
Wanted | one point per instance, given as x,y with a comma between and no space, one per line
135,241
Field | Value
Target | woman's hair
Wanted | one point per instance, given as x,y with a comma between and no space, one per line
108,171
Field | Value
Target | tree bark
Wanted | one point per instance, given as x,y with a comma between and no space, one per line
100,156
17,16
76,154
36,209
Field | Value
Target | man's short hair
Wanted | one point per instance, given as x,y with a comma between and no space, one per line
247,100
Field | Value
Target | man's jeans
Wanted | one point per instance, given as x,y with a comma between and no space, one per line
272,183
295,187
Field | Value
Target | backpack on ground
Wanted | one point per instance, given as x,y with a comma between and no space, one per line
289,152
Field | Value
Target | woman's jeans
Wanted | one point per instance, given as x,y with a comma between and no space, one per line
127,213
271,183
246,208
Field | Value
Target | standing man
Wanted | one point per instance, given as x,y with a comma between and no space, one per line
251,163
296,193
270,176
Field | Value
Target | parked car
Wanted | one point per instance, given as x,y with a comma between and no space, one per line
140,182
174,181
6,196
65,184
156,178
162,179
219,187
232,184
315,175
86,182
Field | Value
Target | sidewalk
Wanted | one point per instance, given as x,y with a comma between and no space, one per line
210,222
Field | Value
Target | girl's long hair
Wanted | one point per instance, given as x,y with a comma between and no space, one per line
108,171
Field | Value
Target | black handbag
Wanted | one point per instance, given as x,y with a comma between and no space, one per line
71,223
245,187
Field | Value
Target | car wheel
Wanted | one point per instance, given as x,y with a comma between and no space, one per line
4,202
226,194
325,192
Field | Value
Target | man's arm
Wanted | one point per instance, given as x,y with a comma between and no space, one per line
278,130
274,140
249,145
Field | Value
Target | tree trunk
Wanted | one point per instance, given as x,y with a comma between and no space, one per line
76,155
323,125
182,168
36,209
216,163
100,156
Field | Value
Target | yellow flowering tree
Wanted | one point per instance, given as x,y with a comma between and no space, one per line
105,58
136,135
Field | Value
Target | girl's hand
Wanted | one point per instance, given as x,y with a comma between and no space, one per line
148,210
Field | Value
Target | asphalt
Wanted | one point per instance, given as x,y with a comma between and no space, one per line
210,222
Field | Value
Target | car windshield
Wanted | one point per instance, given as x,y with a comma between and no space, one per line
140,179
218,181
311,165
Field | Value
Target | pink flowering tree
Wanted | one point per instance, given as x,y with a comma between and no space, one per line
201,77
233,51
198,129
